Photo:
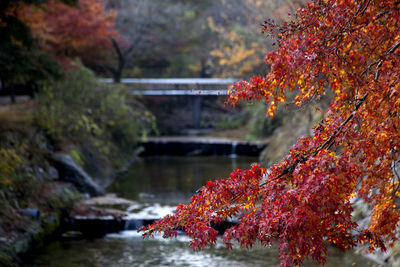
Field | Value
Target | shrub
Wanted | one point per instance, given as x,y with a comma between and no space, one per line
78,109
260,124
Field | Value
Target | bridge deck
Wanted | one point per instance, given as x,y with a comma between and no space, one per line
176,86
179,92
174,81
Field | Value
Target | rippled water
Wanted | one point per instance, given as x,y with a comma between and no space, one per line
157,182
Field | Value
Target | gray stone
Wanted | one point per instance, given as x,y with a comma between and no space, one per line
53,173
71,172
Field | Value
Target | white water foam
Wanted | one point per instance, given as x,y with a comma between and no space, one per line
155,211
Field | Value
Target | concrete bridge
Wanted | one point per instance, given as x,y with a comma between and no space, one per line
177,86
193,87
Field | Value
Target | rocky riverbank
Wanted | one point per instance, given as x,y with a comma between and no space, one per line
35,214
32,230
30,220
52,157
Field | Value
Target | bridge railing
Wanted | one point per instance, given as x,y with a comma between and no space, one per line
176,86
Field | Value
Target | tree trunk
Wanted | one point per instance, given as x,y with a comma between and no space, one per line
117,77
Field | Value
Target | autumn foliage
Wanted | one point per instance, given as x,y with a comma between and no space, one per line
304,202
68,31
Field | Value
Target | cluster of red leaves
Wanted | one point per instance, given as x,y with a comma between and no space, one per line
304,201
66,31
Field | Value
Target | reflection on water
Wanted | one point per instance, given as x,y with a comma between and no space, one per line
173,180
169,180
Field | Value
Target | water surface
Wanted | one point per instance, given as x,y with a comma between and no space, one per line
173,180
158,183
128,249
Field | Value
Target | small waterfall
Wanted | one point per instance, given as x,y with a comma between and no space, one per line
233,149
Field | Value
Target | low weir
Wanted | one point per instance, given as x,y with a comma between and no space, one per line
204,146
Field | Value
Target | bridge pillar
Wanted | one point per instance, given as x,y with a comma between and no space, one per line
196,111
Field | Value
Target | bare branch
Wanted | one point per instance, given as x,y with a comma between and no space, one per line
116,47
377,72
393,48
365,8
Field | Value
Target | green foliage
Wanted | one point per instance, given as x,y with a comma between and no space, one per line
260,124
17,185
76,156
10,160
79,110
229,124
6,260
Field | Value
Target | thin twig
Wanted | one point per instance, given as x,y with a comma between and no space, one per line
393,48
359,8
365,8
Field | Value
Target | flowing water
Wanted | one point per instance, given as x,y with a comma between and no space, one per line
157,184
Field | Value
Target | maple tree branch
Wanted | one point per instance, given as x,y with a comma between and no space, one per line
379,62
340,33
393,48
396,175
331,140
359,8
365,8
378,68
352,18
339,129
395,172
390,51
327,144
369,68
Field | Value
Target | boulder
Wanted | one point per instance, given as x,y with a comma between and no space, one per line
53,173
69,171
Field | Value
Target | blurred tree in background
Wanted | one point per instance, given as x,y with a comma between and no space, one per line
20,59
195,38
66,32
135,38
39,37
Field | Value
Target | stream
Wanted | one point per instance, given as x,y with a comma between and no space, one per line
157,184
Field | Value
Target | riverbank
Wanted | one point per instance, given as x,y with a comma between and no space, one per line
66,144
45,190
39,187
32,230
